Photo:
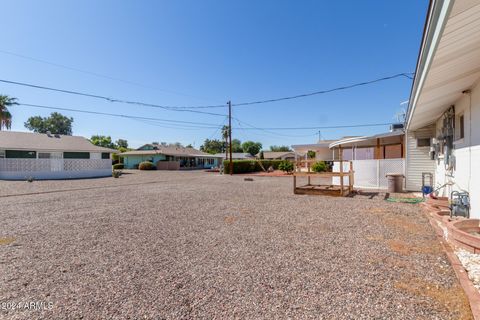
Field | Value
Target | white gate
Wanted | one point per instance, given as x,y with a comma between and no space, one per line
371,174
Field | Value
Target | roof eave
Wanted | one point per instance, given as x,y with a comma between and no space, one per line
437,16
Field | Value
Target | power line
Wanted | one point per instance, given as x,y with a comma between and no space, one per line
319,127
206,125
89,95
406,75
95,74
172,126
267,130
190,108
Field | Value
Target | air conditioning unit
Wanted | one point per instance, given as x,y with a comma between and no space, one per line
396,127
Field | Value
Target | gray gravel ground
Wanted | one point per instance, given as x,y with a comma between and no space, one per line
182,245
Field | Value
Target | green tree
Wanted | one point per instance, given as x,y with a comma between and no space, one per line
280,148
237,145
251,147
56,123
212,146
102,141
121,143
189,146
311,154
225,136
5,115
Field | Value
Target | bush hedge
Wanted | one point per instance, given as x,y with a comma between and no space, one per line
319,166
118,166
146,165
286,166
246,166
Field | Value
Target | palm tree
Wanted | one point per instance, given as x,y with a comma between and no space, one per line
5,115
226,135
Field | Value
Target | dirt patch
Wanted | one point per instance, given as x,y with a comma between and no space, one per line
406,224
5,241
230,219
451,299
405,248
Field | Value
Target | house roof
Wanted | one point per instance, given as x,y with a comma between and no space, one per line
236,155
386,138
12,140
313,146
171,151
448,61
277,154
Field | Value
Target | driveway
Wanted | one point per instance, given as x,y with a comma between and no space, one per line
183,245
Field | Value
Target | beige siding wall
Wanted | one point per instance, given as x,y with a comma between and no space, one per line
417,158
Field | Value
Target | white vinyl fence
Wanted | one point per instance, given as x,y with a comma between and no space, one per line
371,174
54,168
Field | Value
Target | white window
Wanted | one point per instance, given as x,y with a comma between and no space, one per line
95,155
2,154
461,126
44,155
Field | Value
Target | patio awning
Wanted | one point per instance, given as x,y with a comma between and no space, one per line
369,141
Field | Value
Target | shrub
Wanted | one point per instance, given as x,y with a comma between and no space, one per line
118,166
286,166
319,166
246,166
146,165
240,166
116,173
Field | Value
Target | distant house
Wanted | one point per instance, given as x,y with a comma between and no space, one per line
170,157
237,156
279,155
321,149
51,156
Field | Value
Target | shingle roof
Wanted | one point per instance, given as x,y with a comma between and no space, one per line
40,141
171,151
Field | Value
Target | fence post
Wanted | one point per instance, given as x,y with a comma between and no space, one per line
378,174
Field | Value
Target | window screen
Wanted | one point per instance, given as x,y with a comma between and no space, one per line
423,142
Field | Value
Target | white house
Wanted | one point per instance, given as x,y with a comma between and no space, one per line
443,118
26,155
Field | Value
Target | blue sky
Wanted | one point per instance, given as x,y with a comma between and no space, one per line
190,53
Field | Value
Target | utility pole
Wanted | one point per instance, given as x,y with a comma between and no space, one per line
230,135
319,135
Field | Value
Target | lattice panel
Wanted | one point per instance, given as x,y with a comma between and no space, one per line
53,165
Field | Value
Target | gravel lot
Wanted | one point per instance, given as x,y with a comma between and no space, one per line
182,245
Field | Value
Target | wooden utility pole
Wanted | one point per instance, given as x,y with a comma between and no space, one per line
230,135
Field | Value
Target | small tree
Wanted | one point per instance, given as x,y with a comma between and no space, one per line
56,123
286,166
280,148
319,166
311,154
5,115
251,147
212,146
121,143
236,145
102,141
